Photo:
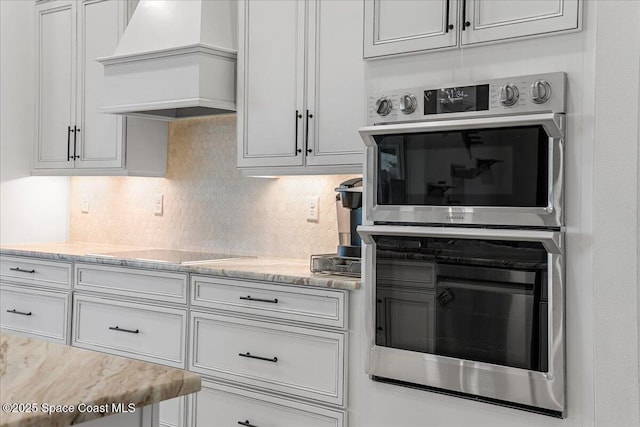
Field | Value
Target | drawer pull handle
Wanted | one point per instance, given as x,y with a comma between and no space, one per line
251,356
22,313
131,331
22,271
248,298
246,423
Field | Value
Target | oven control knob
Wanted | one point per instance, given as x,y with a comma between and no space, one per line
408,103
383,106
508,95
540,91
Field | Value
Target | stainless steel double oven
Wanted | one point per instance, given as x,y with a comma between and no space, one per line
464,262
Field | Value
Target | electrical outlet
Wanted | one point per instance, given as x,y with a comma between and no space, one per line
157,204
313,210
84,205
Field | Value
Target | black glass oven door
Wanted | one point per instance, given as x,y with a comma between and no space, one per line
496,167
471,299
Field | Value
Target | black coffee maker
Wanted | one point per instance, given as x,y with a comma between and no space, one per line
349,213
346,261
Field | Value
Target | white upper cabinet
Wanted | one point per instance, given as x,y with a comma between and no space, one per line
72,136
395,27
100,139
270,83
300,87
405,26
335,83
56,91
494,20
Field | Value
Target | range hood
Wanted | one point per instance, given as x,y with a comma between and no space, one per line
176,59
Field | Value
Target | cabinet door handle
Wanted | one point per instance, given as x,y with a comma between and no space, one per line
251,356
248,298
306,136
76,131
22,313
447,25
298,117
21,270
465,23
119,329
246,424
69,143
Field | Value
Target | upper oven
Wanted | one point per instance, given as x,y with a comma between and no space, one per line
490,153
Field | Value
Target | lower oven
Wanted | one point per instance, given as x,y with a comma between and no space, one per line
476,312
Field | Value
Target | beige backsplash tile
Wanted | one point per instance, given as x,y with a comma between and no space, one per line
208,205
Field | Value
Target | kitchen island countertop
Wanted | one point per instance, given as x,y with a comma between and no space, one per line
40,373
271,269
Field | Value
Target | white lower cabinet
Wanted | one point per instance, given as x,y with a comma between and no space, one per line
220,405
269,354
142,331
36,313
142,417
317,306
172,412
36,272
35,297
298,361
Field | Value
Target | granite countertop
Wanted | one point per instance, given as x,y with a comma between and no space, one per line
40,372
272,269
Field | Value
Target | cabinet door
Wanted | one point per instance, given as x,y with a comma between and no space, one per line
406,26
100,139
55,87
494,20
335,83
271,83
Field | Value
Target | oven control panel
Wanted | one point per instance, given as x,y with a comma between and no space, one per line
515,95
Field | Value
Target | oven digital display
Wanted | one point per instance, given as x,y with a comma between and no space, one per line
456,99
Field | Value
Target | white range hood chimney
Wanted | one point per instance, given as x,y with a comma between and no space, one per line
176,59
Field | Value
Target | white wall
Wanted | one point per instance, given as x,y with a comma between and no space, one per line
615,202
601,174
32,209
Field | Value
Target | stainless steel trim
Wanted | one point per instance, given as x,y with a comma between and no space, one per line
538,389
550,216
551,123
551,240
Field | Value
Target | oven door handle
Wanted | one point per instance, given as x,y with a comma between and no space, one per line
551,240
552,123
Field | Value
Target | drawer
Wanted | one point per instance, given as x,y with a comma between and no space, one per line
141,331
316,306
35,271
40,314
298,361
218,405
149,284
